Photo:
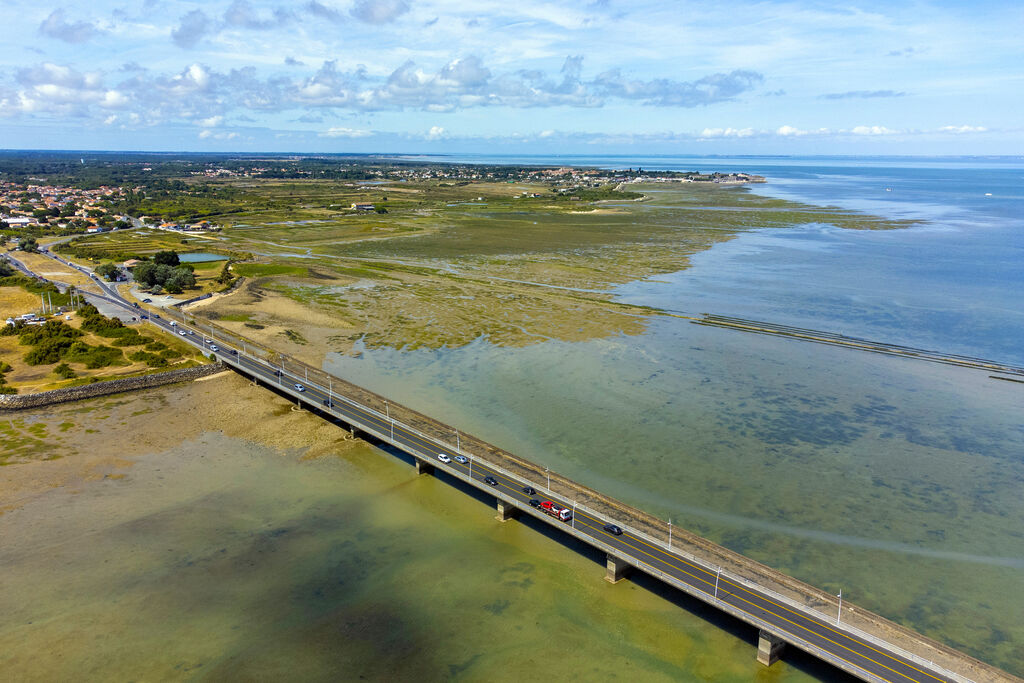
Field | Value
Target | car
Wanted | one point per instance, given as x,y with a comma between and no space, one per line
174,324
156,315
461,459
613,529
277,373
143,317
181,332
491,481
233,352
443,458
191,332
299,387
534,502
135,304
327,402
214,347
147,301
529,490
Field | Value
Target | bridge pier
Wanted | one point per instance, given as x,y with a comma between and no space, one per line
617,569
424,467
506,511
769,647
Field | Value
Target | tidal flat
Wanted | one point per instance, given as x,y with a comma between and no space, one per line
896,482
213,533
436,273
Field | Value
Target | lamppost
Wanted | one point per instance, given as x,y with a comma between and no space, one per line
458,444
471,467
549,478
670,533
839,614
392,431
574,514
718,575
387,410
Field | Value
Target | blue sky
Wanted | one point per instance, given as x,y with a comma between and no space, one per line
523,76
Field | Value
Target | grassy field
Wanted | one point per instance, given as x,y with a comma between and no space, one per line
52,270
35,378
122,245
448,264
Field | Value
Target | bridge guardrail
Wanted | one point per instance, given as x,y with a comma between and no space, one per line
285,361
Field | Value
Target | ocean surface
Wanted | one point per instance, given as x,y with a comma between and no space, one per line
896,481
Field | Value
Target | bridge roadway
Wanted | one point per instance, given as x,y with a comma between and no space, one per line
866,657
808,630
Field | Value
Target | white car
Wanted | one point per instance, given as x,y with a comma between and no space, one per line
299,387
214,347
181,332
443,458
461,459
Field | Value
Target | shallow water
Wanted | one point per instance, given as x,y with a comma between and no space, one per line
896,481
221,559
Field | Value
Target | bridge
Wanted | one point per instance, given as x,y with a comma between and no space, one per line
783,610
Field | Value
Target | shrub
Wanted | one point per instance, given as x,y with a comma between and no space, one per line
50,350
94,357
64,370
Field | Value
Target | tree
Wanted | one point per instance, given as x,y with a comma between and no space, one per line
28,244
169,258
109,271
145,273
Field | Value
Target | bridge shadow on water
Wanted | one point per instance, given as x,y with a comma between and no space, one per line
793,657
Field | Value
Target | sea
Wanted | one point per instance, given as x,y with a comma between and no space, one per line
895,481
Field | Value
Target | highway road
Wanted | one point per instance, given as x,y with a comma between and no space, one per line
824,637
792,624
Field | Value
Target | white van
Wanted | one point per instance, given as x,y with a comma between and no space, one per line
174,324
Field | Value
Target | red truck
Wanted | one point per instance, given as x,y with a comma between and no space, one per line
564,514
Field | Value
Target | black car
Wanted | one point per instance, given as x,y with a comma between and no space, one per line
156,315
613,529
529,490
143,317
491,480
534,502
327,402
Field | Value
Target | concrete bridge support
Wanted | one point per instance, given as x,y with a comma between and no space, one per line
506,511
424,467
769,647
617,569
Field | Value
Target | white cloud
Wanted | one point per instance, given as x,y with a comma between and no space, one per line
874,130
211,135
341,132
727,133
55,26
379,11
192,28
963,129
211,122
436,133
789,131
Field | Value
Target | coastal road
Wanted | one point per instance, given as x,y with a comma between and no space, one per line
806,629
825,637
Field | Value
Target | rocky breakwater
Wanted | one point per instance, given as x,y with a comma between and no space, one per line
117,386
